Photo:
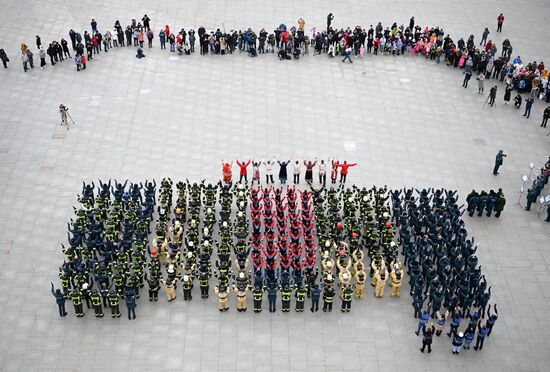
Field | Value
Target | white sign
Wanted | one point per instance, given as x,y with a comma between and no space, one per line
531,165
524,178
541,200
548,198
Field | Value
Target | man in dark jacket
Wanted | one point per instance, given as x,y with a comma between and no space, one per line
501,202
531,198
330,17
60,298
498,161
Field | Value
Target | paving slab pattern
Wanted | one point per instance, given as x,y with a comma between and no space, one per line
405,121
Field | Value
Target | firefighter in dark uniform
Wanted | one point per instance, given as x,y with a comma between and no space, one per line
286,293
114,301
65,281
187,285
300,295
154,287
328,297
118,280
76,298
204,278
96,303
104,292
257,293
347,295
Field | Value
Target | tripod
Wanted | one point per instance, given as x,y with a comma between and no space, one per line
64,115
72,121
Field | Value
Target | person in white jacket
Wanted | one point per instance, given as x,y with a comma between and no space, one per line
322,173
269,171
296,171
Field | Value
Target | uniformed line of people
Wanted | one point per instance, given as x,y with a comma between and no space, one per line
484,202
445,278
536,188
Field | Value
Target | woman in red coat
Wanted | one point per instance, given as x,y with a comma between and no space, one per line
243,172
344,171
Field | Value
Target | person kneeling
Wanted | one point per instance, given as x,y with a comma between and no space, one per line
283,54
140,54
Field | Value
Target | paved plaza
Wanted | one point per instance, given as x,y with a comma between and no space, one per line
405,120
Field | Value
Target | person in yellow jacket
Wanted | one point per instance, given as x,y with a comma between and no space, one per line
360,277
170,283
327,263
241,290
381,276
222,291
342,265
377,264
396,279
301,24
358,256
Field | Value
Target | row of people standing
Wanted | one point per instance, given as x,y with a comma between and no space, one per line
485,202
297,168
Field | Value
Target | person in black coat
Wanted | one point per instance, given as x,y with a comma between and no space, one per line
330,17
72,35
427,337
4,58
282,171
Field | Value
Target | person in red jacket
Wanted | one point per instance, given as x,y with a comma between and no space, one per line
227,172
500,21
344,172
243,173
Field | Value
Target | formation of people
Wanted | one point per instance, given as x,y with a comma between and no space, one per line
446,282
485,202
310,245
110,256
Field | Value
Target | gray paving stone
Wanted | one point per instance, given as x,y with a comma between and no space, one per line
404,120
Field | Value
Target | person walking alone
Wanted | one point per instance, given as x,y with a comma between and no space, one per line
467,77
528,104
500,21
347,55
486,33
